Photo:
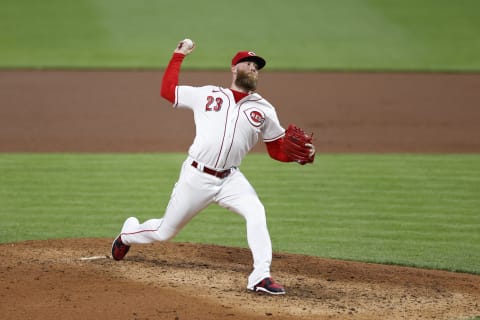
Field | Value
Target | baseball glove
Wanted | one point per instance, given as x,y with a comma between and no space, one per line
298,145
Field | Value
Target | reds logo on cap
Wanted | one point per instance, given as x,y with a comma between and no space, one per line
248,56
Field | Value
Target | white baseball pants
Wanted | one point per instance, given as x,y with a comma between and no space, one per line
193,192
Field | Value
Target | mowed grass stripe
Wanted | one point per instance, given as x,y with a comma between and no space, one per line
61,195
403,203
419,210
333,35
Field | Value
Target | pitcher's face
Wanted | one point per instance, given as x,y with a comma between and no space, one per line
246,75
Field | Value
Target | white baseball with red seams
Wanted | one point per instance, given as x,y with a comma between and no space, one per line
225,131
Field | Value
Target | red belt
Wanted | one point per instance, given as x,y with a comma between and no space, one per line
219,174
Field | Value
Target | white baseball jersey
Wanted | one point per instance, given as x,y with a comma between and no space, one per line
226,130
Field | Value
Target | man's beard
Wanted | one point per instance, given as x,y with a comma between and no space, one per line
246,81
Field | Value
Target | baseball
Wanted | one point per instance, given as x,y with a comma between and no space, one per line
188,43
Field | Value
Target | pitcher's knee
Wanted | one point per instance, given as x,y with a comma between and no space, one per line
165,233
256,220
256,207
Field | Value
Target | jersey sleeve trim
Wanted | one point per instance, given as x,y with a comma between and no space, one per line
274,138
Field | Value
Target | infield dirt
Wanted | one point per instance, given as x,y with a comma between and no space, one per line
120,111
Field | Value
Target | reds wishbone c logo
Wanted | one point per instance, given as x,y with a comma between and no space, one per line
255,117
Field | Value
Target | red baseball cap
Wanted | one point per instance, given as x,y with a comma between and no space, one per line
248,56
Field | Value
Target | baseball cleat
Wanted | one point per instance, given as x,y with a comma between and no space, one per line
119,249
269,285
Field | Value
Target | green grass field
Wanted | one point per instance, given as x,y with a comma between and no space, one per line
430,35
418,210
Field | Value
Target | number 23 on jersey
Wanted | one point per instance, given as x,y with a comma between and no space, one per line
213,104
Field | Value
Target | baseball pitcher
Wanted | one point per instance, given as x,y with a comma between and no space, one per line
228,122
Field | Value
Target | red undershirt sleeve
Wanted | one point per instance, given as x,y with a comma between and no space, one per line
170,77
275,150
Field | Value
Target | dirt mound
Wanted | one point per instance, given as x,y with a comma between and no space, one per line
77,279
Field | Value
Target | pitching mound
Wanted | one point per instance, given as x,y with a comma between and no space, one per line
77,279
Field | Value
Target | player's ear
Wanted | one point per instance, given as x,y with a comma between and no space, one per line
234,69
